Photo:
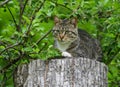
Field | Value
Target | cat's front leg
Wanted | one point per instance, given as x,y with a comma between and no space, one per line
66,54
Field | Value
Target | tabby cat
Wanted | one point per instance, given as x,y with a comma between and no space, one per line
74,42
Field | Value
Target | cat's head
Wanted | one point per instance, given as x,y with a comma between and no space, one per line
65,30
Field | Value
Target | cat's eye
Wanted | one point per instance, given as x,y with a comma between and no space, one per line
70,32
54,31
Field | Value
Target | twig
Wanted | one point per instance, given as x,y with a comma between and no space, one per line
39,40
73,11
3,3
33,16
12,17
20,15
61,5
43,47
24,7
11,63
28,31
2,43
113,42
9,47
112,57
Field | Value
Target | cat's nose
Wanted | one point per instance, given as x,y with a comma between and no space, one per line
61,37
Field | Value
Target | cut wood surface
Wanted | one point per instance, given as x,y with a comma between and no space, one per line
66,72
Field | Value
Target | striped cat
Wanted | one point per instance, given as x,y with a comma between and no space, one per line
74,42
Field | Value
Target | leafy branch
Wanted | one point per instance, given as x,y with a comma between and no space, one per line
23,42
11,63
12,46
33,16
61,5
13,18
4,3
39,40
110,49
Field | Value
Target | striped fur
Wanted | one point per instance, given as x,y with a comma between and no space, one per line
77,42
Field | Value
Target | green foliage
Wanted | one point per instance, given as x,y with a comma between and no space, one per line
25,32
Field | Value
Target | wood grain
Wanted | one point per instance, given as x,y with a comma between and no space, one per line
66,72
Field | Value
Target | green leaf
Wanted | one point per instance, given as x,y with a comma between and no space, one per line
27,49
118,44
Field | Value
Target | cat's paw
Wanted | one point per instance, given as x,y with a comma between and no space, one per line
66,54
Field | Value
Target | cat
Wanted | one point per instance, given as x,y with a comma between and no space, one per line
74,42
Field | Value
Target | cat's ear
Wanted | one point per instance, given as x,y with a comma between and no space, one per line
74,21
56,20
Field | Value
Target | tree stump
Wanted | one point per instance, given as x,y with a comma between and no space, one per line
66,72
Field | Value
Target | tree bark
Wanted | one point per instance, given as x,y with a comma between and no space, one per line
66,72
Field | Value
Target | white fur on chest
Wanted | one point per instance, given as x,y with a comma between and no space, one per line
62,46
